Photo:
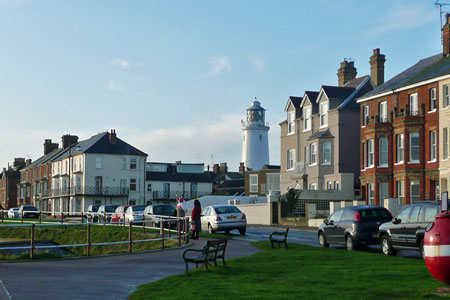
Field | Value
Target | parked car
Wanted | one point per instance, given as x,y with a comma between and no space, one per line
223,218
407,229
353,226
13,212
28,211
153,213
134,213
118,215
104,212
92,210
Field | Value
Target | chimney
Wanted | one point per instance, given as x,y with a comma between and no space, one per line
178,162
49,146
223,167
68,140
346,72
216,169
446,36
28,162
112,136
241,168
377,67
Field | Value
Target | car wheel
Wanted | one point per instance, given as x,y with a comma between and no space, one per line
322,240
386,246
350,243
242,231
421,249
210,229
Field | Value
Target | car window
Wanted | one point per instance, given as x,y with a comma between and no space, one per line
129,210
119,209
348,215
403,215
375,214
336,216
227,210
430,213
139,207
165,210
110,208
414,217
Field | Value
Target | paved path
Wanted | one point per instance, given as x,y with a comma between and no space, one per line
113,277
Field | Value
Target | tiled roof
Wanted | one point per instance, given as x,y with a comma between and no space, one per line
320,134
312,95
337,92
45,159
271,167
296,101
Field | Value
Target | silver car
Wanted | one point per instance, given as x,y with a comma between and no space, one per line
223,218
13,212
134,213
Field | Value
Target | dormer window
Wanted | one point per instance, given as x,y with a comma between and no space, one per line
307,118
323,109
291,122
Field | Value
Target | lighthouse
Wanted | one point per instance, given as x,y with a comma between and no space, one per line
255,144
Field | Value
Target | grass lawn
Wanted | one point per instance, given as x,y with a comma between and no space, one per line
301,272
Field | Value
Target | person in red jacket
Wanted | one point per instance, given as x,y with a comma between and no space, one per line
196,213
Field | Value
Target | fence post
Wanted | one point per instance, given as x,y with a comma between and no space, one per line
130,237
179,232
62,217
104,218
143,222
88,247
32,241
40,217
82,218
186,226
123,215
3,216
168,226
161,224
22,217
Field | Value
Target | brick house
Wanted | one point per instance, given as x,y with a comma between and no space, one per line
9,178
261,182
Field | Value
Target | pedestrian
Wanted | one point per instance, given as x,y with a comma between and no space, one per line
181,212
196,222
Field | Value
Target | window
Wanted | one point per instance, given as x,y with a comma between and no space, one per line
290,159
401,190
329,185
430,213
133,163
291,122
124,163
384,190
149,187
312,186
123,186
433,145
433,99
414,147
370,161
273,182
446,96
383,145
364,155
445,143
383,111
403,215
323,110
415,190
326,153
336,185
365,115
307,118
98,162
400,148
414,217
313,154
413,105
336,216
253,183
371,193
132,184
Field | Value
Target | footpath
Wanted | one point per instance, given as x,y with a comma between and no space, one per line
109,277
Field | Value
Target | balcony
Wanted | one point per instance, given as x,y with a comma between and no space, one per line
87,191
300,170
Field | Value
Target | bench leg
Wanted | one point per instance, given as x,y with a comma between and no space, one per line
223,260
215,262
285,245
206,265
187,269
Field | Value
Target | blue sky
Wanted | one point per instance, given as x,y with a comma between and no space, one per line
174,77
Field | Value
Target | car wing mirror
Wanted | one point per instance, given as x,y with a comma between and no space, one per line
326,221
396,221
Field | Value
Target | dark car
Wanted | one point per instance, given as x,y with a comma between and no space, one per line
105,211
353,226
28,211
92,210
156,213
407,229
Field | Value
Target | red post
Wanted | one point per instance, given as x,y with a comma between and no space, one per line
32,241
88,247
130,237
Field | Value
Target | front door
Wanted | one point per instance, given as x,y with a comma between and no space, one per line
98,184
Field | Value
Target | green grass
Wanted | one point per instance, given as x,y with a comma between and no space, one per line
65,235
301,272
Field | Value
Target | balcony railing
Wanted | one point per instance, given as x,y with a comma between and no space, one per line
166,195
395,114
87,191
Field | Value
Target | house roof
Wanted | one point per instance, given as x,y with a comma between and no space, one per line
235,183
426,69
44,159
271,167
337,92
321,134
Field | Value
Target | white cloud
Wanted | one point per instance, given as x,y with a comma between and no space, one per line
219,64
403,17
258,64
120,63
115,86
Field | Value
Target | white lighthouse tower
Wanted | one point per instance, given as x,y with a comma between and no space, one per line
255,146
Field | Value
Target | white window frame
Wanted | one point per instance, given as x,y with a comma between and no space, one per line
364,146
433,100
366,111
411,134
313,154
370,154
312,186
401,191
307,118
433,150
400,148
413,104
411,184
98,163
336,185
383,154
253,186
445,143
446,93
290,159
323,112
371,194
383,111
329,185
326,145
291,122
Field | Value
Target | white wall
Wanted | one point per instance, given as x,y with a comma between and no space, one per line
257,214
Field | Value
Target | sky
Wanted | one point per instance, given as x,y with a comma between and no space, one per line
174,78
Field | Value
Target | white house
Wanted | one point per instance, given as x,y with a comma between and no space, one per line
101,170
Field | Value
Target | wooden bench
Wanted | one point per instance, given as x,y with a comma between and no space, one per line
213,250
279,237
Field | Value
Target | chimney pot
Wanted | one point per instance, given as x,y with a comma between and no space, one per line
377,61
68,140
446,36
346,72
112,136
